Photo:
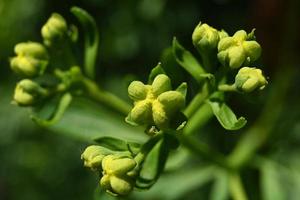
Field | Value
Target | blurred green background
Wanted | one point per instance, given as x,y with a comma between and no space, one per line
41,165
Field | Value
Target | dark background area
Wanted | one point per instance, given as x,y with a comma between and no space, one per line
39,165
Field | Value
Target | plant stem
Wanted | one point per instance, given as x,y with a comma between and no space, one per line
109,99
227,88
199,113
236,187
202,149
197,101
199,119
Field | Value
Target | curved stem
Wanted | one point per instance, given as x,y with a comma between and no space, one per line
109,99
236,187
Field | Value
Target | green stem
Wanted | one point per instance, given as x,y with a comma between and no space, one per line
109,99
197,101
199,114
236,187
202,149
227,88
198,120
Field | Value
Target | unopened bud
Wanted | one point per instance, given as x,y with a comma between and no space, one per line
115,178
93,156
137,90
161,83
141,113
31,59
205,37
28,92
54,30
249,79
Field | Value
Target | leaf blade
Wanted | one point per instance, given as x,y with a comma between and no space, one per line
186,60
91,39
226,116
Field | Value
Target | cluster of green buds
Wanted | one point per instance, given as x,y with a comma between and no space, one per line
232,52
33,61
117,169
30,61
154,104
239,50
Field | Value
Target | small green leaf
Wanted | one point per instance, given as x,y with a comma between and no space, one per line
186,60
91,39
57,114
178,122
154,72
225,115
182,88
153,164
116,144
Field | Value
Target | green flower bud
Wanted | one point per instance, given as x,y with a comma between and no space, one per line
31,59
115,178
117,165
28,92
160,116
205,37
141,113
137,90
237,50
161,83
93,156
172,101
249,79
54,30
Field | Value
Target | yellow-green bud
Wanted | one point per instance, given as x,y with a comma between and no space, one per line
28,92
172,101
205,37
160,115
161,83
249,79
54,30
237,50
93,156
141,113
137,90
115,178
31,59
